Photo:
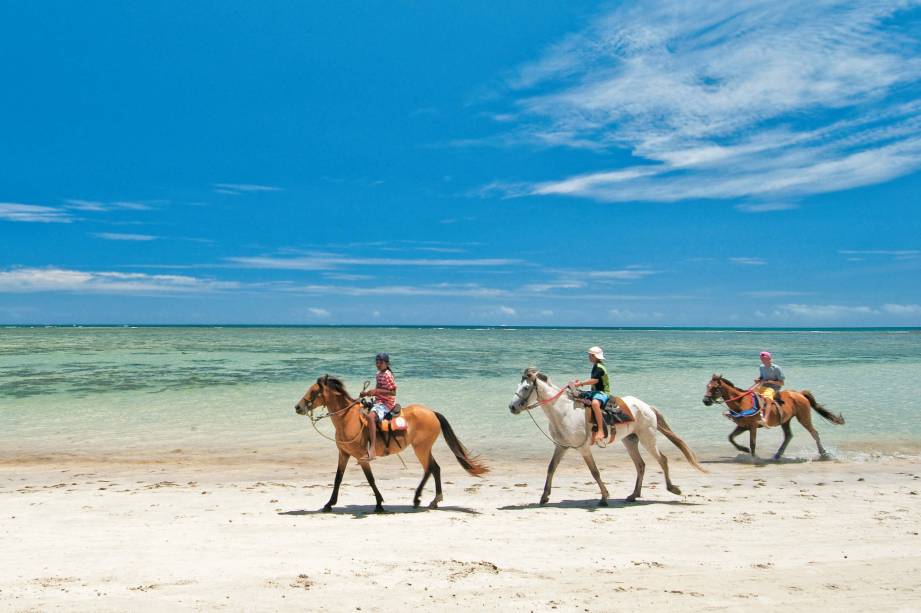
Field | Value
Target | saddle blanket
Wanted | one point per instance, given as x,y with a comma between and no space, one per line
394,424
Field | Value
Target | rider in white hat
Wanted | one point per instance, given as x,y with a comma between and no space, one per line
601,388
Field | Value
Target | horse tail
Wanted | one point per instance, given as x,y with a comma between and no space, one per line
470,463
835,419
677,441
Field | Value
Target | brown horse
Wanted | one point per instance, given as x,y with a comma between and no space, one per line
352,438
795,404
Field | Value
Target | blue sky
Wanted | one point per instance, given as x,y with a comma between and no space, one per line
517,163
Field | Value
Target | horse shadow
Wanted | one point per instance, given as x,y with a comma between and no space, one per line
745,458
592,506
360,511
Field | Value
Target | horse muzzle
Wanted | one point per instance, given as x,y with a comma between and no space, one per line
707,400
302,409
514,407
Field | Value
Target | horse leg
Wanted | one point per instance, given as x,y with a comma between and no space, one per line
593,468
366,467
787,437
558,453
633,449
436,472
752,437
340,470
739,430
805,418
649,443
425,458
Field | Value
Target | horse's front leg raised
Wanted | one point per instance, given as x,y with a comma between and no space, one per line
732,436
366,467
558,453
340,470
593,468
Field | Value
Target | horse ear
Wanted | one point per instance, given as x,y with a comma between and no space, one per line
543,377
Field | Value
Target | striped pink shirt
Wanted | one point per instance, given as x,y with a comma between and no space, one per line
385,381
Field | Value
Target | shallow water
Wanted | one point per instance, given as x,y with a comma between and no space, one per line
141,391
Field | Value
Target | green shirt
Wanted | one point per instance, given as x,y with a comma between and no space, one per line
600,374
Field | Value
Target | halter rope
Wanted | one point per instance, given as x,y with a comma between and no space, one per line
544,403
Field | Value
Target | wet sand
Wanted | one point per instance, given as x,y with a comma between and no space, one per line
189,533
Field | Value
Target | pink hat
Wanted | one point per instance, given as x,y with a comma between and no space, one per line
766,354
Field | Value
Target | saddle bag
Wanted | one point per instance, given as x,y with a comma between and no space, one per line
616,411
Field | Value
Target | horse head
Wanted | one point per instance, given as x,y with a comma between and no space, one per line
714,389
527,387
321,394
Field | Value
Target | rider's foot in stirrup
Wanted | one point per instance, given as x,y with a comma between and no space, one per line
599,436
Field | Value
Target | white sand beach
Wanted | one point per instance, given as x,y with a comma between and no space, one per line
194,534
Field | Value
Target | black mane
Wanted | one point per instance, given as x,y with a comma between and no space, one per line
335,384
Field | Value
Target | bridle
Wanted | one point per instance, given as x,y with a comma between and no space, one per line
533,389
716,385
309,406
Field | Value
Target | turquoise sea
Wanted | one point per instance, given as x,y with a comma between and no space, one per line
146,392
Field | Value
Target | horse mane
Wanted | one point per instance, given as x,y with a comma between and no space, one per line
335,384
533,371
728,382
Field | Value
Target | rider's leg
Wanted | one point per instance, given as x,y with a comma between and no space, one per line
596,410
372,427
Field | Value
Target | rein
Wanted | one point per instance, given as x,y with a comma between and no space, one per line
545,402
314,420
749,392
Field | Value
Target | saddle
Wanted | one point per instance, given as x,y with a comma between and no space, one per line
392,426
615,411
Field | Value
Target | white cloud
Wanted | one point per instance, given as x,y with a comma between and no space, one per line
748,261
114,236
626,274
235,189
473,291
509,311
766,207
823,311
14,211
628,315
896,253
317,312
767,99
903,309
28,280
323,262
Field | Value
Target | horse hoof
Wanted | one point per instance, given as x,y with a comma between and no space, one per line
674,489
825,456
630,498
603,502
416,503
379,508
328,509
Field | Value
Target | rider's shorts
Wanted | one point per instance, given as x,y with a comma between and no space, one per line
601,397
768,392
381,410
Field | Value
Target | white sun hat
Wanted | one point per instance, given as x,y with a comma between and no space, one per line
597,352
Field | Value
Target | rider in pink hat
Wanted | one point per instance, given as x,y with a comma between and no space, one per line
770,378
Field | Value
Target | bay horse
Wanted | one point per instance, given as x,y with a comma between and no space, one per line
570,429
352,438
795,404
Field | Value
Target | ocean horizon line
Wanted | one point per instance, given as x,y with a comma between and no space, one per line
474,327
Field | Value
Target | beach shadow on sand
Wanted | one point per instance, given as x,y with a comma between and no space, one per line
592,505
744,458
359,511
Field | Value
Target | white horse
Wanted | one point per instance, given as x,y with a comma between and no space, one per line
570,429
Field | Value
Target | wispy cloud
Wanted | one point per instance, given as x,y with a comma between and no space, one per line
328,262
13,211
745,261
903,309
318,312
823,311
768,100
236,189
508,311
114,236
470,291
766,207
27,280
95,206
895,253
